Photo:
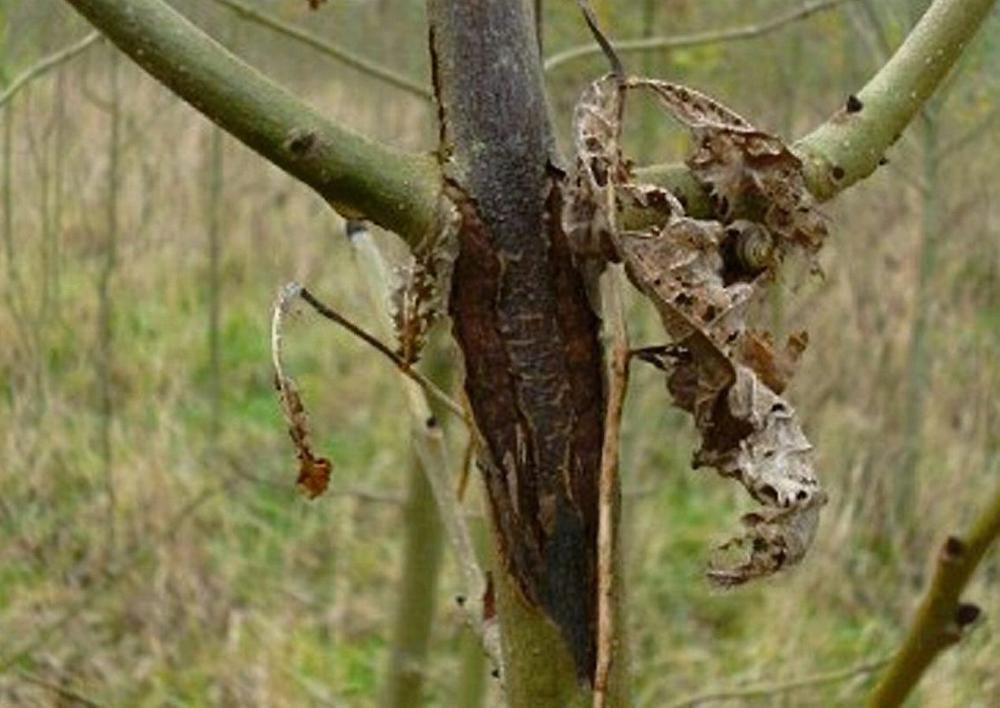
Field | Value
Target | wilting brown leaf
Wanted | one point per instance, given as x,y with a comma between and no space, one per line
702,276
314,475
314,471
775,368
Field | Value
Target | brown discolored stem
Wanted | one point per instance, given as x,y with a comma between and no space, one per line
530,342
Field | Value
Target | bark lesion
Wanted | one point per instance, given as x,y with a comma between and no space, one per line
533,377
521,316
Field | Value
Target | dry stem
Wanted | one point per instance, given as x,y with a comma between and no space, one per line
650,44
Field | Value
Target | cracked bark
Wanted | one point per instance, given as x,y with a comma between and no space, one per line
530,342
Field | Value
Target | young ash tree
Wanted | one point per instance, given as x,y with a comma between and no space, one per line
527,250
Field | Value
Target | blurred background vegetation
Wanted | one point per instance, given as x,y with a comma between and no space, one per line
153,548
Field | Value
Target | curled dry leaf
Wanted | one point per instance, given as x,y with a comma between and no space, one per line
314,471
702,276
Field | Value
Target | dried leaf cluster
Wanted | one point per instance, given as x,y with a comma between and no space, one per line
420,297
703,275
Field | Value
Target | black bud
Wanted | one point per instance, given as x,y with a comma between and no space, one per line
953,548
838,172
301,141
431,422
460,599
854,104
966,614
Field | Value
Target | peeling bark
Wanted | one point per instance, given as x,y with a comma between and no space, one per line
521,313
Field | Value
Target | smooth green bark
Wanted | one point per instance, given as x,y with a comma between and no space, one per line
849,146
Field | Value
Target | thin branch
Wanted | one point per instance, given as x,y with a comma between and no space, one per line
356,175
774,689
610,642
941,619
355,61
851,145
46,65
429,386
651,44
432,453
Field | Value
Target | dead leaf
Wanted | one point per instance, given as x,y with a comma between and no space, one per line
314,471
702,275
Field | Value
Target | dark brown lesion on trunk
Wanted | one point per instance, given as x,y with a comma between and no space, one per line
533,377
520,312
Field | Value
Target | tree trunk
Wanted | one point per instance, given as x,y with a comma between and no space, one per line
530,341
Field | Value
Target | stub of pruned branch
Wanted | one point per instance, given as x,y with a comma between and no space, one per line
703,277
314,471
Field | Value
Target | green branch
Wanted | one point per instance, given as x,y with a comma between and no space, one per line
355,61
941,617
851,144
357,176
653,44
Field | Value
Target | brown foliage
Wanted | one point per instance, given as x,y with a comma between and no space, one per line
703,277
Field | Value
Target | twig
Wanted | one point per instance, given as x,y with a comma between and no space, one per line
432,453
771,689
608,682
429,386
603,43
941,618
609,499
633,46
47,64
365,66
61,691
